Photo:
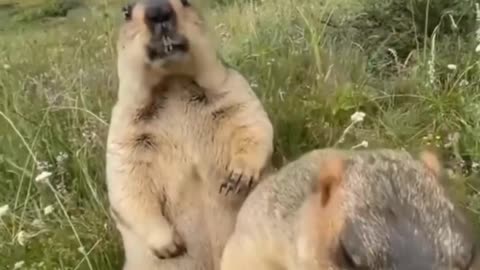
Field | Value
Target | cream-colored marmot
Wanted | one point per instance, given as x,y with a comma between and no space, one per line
188,139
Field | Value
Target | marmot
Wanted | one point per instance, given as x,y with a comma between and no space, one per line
336,209
188,139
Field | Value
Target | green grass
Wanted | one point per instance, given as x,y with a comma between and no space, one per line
58,83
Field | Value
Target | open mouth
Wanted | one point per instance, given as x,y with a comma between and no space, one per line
164,45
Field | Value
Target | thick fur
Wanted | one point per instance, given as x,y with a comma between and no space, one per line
342,210
183,129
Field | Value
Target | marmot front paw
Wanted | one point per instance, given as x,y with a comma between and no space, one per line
242,177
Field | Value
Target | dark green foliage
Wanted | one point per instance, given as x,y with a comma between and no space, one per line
408,25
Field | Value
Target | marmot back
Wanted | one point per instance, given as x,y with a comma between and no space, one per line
333,209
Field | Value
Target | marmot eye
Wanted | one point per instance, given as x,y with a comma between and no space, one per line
185,3
127,11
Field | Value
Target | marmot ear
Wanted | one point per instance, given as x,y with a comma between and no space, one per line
330,178
430,159
127,11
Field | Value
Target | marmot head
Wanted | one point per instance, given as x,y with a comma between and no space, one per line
386,210
161,33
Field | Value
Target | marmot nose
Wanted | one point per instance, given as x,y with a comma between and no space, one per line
158,11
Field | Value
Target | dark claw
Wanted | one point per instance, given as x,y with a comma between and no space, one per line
240,185
228,190
232,184
225,184
245,188
250,183
238,189
236,183
222,186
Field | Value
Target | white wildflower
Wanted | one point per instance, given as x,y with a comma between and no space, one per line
363,144
22,238
4,210
38,223
44,166
43,177
431,71
452,67
61,187
464,83
281,93
61,159
450,173
18,265
89,135
48,210
357,117
6,66
62,156
454,24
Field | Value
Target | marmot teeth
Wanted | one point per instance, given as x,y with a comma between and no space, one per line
167,44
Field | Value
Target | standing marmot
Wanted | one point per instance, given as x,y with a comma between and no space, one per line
342,210
188,138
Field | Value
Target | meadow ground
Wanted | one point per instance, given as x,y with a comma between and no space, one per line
312,63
